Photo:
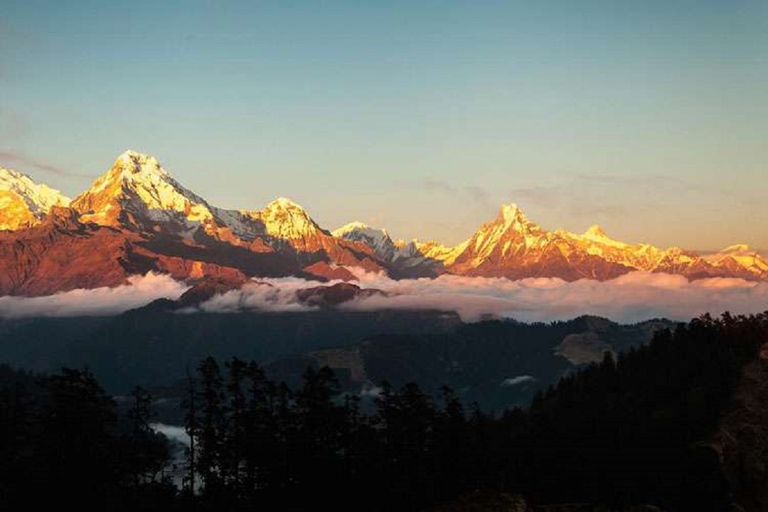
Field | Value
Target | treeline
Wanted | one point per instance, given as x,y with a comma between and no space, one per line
255,441
637,430
62,442
615,434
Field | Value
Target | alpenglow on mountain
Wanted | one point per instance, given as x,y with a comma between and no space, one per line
137,218
23,202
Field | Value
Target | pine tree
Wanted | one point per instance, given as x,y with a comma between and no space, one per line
192,428
234,441
212,427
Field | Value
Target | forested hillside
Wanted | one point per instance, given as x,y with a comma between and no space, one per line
637,429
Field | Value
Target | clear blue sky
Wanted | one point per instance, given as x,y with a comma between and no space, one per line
647,117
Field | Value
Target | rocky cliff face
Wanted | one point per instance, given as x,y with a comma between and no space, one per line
62,253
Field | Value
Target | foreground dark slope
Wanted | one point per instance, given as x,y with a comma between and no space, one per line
741,440
640,430
670,425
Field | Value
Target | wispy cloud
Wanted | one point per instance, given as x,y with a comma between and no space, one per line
276,295
15,158
589,196
13,126
585,194
472,192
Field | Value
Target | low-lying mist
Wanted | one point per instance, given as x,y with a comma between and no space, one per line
630,298
139,291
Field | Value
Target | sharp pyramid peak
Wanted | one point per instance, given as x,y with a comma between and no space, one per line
135,171
512,214
136,182
510,209
595,231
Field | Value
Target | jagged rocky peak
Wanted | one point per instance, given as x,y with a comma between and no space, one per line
511,212
511,216
23,202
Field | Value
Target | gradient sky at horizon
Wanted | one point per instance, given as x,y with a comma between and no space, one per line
648,118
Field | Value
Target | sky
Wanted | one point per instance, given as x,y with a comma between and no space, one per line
648,118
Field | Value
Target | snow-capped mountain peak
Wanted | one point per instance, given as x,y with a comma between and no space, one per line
738,259
738,248
284,203
595,232
511,216
136,163
38,196
377,239
138,191
350,228
511,213
284,208
287,220
597,235
360,228
24,202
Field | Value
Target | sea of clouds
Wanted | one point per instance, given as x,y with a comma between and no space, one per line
139,291
632,297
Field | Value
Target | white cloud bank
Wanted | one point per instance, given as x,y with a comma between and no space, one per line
630,298
140,291
277,295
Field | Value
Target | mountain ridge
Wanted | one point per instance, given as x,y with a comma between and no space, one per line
154,223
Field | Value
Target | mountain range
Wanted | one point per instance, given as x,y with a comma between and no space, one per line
137,218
